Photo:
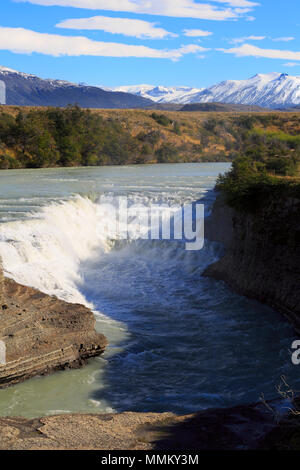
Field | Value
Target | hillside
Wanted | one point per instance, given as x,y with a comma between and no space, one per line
47,137
29,90
221,107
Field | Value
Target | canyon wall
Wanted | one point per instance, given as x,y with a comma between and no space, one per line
262,252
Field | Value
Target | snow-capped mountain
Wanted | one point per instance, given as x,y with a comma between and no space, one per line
273,90
161,94
21,89
7,70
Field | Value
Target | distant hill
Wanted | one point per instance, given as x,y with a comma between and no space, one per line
165,106
222,107
291,109
29,90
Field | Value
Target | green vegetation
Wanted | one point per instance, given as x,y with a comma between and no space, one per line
50,137
177,128
75,137
267,161
167,153
161,119
249,184
62,137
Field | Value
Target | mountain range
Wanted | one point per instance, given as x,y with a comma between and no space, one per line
29,90
273,90
161,94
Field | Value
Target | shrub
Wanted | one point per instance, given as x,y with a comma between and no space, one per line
167,153
161,119
247,185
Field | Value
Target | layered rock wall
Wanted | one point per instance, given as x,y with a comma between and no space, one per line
41,333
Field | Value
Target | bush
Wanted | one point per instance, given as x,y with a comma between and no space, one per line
161,119
247,185
167,153
177,128
9,163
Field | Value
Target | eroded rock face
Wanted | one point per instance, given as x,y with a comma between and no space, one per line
42,334
262,258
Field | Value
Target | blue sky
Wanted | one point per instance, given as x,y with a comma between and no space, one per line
167,42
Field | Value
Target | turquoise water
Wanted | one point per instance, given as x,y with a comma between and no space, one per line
178,342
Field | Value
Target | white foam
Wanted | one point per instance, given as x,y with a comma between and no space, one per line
46,253
46,249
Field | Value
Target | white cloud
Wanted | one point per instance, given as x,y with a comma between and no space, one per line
239,3
196,33
284,39
173,8
248,50
291,64
128,27
247,38
259,38
25,41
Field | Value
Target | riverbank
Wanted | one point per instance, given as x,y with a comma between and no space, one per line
239,428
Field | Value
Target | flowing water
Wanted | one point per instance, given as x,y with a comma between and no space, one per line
178,342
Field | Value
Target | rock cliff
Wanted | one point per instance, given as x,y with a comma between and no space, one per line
41,334
262,252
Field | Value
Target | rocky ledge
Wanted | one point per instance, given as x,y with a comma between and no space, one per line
40,334
239,428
